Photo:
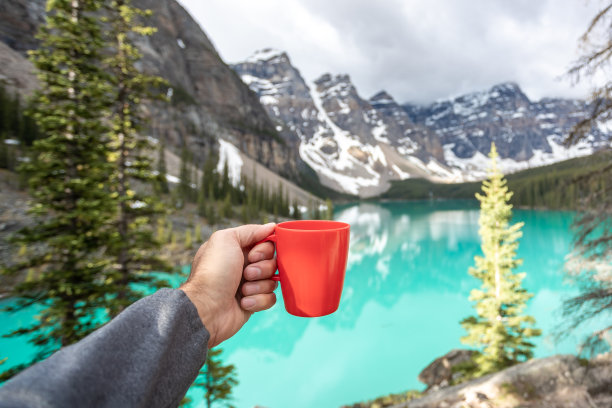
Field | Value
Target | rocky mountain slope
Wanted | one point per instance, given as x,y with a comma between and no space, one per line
354,145
208,100
526,133
358,145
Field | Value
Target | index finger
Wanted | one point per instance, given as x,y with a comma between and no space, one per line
262,251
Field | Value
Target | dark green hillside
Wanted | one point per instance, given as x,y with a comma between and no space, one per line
547,186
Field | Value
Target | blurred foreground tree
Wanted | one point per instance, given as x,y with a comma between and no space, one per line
216,379
68,181
590,263
133,246
499,328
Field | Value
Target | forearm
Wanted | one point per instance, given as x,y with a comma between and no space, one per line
147,356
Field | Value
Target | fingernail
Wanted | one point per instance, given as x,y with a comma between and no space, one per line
248,303
254,272
269,224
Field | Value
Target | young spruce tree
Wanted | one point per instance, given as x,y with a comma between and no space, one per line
133,247
68,181
216,379
499,328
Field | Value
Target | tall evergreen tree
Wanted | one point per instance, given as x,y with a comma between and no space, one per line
216,379
499,328
68,179
185,190
589,264
296,213
133,248
162,170
225,180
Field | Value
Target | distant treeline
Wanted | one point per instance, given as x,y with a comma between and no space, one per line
217,197
556,186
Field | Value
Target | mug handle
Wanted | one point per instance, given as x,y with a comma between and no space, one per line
270,238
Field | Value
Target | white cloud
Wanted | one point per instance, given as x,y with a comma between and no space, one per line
418,50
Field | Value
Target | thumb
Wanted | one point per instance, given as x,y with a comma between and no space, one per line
248,235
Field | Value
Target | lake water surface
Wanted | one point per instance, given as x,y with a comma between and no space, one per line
406,289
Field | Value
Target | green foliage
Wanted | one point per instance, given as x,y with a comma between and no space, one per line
68,180
226,210
185,190
162,172
556,186
295,212
211,213
198,233
180,97
500,328
188,238
388,400
216,379
589,264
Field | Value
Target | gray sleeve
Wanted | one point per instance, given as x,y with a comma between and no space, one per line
148,356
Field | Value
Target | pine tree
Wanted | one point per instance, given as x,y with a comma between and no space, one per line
588,266
188,238
202,201
500,328
4,152
133,248
226,207
68,179
225,180
198,233
4,109
184,187
209,176
216,379
162,172
297,214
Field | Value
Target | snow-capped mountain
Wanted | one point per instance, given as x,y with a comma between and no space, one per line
354,145
357,145
526,133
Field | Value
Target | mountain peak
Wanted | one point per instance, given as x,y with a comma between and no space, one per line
267,54
382,98
511,89
327,78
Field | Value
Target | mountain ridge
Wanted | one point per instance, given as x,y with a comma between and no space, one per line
359,145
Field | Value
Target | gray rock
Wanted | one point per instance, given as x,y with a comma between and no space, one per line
439,372
561,381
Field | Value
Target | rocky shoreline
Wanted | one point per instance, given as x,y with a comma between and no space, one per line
560,381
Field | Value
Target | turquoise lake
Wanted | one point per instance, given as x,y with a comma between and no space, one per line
405,291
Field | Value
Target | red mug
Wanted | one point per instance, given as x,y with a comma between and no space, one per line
311,257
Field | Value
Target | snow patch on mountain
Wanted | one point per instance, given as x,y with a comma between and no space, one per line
475,167
340,166
265,54
228,153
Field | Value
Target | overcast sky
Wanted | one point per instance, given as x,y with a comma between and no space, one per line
417,50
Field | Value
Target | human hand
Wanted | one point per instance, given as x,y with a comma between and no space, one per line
230,279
